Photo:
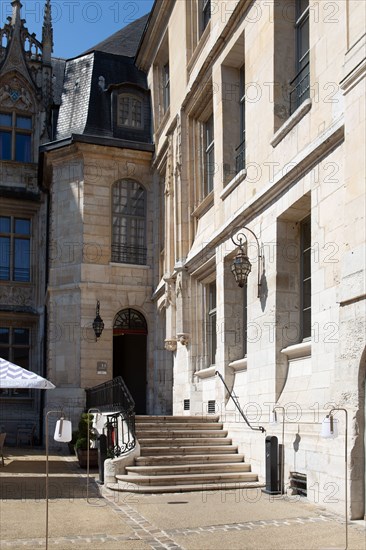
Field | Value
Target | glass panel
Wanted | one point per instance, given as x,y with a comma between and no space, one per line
212,297
22,227
4,225
136,119
137,202
25,123
21,336
209,131
301,6
206,13
307,263
210,169
124,103
4,258
306,278
20,357
4,354
23,148
4,337
303,44
21,260
213,339
306,294
5,146
5,119
245,320
306,324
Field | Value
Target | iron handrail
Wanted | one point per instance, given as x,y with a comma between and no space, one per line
114,398
236,403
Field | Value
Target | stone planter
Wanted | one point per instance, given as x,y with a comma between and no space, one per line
83,457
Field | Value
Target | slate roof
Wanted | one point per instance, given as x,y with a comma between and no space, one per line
86,107
75,96
125,41
58,70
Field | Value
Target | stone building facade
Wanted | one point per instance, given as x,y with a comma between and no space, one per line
77,224
258,112
29,100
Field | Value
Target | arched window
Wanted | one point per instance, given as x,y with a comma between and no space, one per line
129,111
129,321
128,223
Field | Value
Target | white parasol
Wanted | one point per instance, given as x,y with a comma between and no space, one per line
13,376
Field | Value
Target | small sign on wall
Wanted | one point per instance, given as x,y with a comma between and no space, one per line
101,367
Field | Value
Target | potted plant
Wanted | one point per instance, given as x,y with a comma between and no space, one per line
81,443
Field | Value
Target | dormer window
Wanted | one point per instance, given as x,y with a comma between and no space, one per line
129,111
15,137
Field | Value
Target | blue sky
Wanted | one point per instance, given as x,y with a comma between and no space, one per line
79,24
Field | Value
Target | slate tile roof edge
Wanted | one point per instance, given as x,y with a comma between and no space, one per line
97,140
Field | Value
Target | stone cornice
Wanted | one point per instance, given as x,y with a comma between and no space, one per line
153,34
97,140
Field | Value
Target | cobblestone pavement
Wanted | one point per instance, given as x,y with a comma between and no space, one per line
81,517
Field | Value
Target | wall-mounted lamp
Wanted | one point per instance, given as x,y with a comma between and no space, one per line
241,266
98,324
330,431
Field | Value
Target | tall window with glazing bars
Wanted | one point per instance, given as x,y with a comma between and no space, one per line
128,223
15,249
15,137
209,156
205,13
300,85
240,150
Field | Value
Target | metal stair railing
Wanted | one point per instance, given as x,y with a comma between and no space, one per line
234,398
114,397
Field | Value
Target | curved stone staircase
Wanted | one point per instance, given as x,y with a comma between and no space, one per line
185,453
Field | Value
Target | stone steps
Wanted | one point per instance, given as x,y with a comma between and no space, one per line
187,450
184,441
141,419
193,479
186,488
149,434
188,469
184,453
147,426
233,458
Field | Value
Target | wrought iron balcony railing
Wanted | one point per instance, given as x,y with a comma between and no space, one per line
128,254
240,157
300,88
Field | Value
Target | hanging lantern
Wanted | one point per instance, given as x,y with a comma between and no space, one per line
98,324
241,266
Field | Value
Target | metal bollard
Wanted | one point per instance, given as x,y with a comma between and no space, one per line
102,455
272,466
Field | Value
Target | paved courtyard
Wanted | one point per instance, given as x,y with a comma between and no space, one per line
82,516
